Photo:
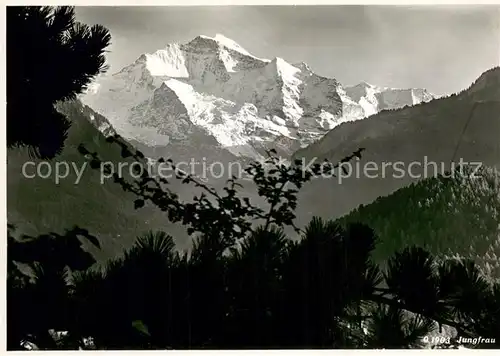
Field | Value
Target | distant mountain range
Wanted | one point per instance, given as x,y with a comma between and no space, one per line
241,103
463,126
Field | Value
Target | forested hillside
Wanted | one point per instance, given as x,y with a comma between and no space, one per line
455,216
40,205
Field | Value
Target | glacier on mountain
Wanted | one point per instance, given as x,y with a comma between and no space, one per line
246,103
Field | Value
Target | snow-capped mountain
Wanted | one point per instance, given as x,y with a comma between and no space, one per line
374,99
424,138
243,102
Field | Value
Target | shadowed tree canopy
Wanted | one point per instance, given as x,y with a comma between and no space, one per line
50,57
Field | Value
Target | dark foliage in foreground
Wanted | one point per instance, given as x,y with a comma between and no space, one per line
50,57
268,292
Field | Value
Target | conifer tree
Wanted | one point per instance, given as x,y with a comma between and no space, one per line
50,57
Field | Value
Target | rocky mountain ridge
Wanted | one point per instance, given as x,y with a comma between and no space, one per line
245,103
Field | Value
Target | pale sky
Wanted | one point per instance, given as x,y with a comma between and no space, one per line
442,49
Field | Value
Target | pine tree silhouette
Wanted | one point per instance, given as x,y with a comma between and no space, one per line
50,57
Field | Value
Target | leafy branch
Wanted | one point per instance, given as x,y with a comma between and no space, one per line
223,216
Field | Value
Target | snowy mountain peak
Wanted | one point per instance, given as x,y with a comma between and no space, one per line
304,67
229,43
284,68
218,43
244,103
203,42
374,98
364,84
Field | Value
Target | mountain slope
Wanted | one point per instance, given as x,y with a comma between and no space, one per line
413,138
245,103
37,205
455,217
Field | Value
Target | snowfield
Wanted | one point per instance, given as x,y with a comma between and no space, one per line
244,102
